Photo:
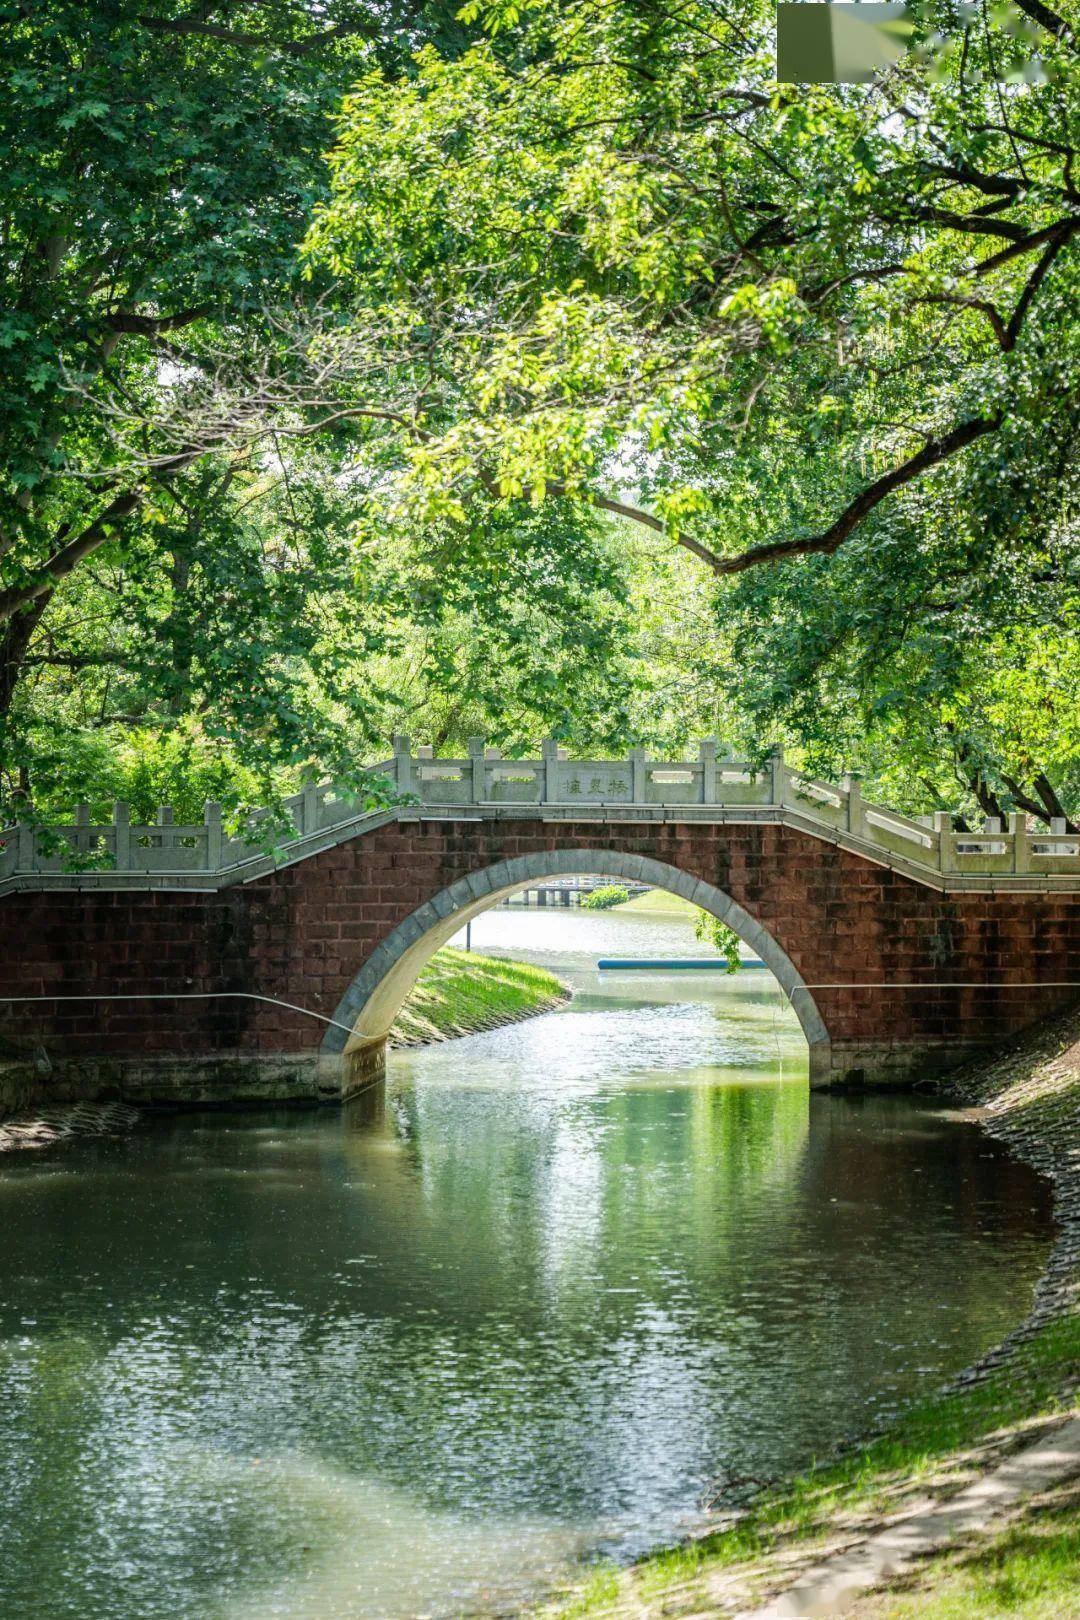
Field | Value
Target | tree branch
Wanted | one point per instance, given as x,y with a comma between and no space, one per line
971,224
126,320
236,36
993,185
985,797
1050,253
636,514
1054,807
984,307
1061,227
649,520
1023,800
68,557
933,452
15,638
76,660
1049,20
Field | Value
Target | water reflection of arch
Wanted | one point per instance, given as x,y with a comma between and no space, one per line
371,1003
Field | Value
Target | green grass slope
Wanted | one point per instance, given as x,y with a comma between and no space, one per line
661,903
460,992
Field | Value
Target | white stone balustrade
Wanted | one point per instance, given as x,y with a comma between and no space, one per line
714,786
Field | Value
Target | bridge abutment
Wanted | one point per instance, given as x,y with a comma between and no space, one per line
215,1080
884,1065
360,1067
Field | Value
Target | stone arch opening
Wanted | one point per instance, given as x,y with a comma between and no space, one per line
371,1002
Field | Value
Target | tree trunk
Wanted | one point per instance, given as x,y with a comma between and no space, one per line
15,638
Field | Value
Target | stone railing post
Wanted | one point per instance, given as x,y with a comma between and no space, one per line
475,747
943,828
81,841
492,756
852,786
212,822
164,818
121,818
403,765
707,748
639,775
27,851
549,753
777,776
309,808
1021,850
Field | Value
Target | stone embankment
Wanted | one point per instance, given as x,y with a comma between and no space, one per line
1029,1097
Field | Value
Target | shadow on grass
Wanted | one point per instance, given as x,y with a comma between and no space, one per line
1027,1572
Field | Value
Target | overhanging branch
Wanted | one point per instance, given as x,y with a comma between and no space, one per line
237,36
648,520
1049,254
608,503
68,556
1061,228
832,538
1049,20
127,320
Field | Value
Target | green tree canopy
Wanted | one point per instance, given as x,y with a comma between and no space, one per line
822,338
620,393
162,158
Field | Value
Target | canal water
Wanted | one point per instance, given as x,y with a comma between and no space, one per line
540,1302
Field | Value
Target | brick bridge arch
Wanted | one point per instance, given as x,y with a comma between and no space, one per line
226,982
373,1000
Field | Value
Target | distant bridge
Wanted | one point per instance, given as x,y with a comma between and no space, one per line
170,961
567,891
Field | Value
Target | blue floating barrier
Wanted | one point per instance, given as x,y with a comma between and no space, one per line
715,964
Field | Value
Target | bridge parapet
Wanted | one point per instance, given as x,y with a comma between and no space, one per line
714,786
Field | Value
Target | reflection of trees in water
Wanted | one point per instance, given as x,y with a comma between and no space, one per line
585,1302
597,1171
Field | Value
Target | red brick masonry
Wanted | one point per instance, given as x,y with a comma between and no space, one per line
303,933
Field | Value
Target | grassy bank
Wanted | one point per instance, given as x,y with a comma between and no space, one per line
1025,1566
661,903
460,992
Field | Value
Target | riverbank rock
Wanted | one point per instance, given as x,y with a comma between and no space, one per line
46,1126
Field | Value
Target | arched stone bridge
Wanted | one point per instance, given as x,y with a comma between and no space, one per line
178,963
